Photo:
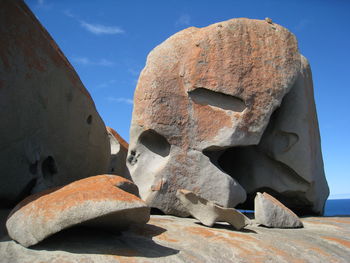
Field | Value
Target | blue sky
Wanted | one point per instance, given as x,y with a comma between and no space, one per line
107,41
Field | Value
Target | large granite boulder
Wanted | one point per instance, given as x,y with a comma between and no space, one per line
51,132
206,119
119,152
94,201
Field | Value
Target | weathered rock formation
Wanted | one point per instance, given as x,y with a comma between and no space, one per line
209,213
51,132
94,201
173,239
119,152
225,111
270,212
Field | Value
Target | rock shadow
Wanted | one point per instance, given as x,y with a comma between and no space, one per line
136,242
219,225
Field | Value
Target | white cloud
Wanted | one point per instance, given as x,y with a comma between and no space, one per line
183,20
88,62
121,99
98,29
107,83
69,13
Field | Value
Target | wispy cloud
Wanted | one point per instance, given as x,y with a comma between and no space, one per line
302,24
43,5
94,28
183,20
120,100
106,83
69,13
88,62
98,29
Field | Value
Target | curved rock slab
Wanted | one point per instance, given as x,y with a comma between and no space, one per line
270,212
171,239
94,201
119,152
208,213
53,133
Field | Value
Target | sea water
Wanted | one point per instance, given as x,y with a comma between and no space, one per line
337,207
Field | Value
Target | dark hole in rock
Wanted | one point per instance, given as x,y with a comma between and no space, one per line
49,167
132,159
256,172
155,142
89,119
255,169
33,168
208,97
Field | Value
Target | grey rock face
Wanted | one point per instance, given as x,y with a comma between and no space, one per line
219,119
208,213
51,132
272,213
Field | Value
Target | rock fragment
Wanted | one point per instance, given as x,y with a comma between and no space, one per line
119,152
272,213
94,201
208,212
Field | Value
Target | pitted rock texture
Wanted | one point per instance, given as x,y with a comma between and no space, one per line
209,213
93,201
119,152
272,213
53,133
171,239
205,91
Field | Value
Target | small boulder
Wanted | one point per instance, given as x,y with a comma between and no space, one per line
272,213
208,212
93,201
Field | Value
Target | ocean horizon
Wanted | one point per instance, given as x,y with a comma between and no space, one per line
337,207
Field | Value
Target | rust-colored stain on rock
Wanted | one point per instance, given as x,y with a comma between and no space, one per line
52,202
343,242
118,137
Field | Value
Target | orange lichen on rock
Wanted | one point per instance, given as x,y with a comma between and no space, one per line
118,137
94,198
343,242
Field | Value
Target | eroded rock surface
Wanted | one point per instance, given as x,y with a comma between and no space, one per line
171,239
272,213
52,134
209,213
204,100
119,152
93,201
